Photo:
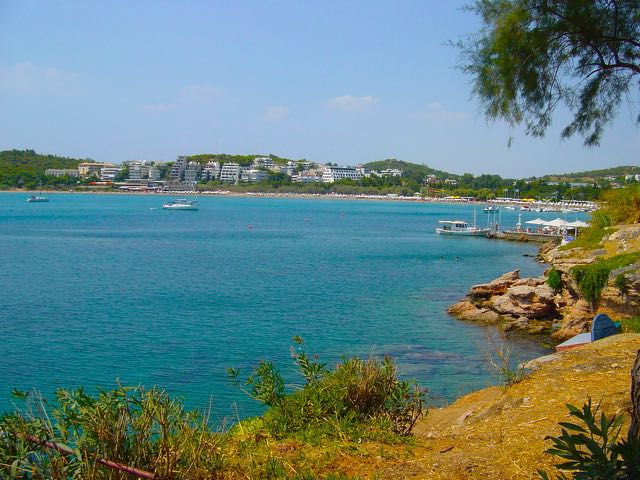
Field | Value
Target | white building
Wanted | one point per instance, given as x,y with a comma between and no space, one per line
108,174
391,172
230,172
61,172
364,171
177,170
307,177
263,162
155,174
332,174
192,172
211,171
138,171
253,175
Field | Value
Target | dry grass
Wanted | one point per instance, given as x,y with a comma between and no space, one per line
499,432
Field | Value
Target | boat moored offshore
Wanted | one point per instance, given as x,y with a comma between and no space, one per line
461,228
37,198
181,204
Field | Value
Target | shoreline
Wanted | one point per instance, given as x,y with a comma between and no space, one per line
225,193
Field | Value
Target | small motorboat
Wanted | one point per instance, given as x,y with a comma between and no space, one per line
37,198
181,204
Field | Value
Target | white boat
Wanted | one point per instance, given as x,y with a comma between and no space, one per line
37,198
509,207
181,204
490,208
460,228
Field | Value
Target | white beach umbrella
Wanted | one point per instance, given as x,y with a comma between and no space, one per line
537,221
578,224
558,222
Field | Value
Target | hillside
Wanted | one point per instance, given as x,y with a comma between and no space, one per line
595,174
12,161
412,170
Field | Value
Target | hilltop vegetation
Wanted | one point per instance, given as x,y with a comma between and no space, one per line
596,174
410,170
25,168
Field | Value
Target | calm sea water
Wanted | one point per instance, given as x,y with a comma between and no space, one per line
96,288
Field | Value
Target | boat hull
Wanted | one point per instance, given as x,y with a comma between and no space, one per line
180,207
37,200
463,233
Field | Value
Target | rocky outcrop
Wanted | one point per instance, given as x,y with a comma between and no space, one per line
576,319
529,304
532,302
466,310
513,302
498,286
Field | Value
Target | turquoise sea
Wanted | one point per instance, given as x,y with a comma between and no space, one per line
99,288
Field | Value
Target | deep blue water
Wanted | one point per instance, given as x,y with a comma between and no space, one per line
95,288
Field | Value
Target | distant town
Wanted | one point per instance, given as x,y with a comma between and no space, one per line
270,174
142,174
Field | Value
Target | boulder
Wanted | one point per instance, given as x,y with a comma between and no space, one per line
495,287
577,319
466,310
526,301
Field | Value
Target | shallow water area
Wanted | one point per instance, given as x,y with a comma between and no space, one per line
103,287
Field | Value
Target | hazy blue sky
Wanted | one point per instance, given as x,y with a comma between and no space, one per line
331,81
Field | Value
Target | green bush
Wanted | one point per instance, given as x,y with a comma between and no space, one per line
622,284
133,426
592,278
592,450
358,399
554,280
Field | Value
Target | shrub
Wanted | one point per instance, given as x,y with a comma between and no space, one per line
592,450
133,426
592,278
554,280
622,284
358,399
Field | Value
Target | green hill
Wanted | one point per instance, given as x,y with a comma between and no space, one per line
12,161
25,168
592,174
411,170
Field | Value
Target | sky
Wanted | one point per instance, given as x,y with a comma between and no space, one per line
347,82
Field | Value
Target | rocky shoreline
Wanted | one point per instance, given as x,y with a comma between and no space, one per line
531,305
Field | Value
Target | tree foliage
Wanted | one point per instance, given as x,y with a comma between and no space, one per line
533,55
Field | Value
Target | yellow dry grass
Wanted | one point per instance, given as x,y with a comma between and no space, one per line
499,432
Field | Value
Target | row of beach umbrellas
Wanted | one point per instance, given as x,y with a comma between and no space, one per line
558,222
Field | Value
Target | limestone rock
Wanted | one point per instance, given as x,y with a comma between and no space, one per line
526,301
466,310
576,320
495,287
